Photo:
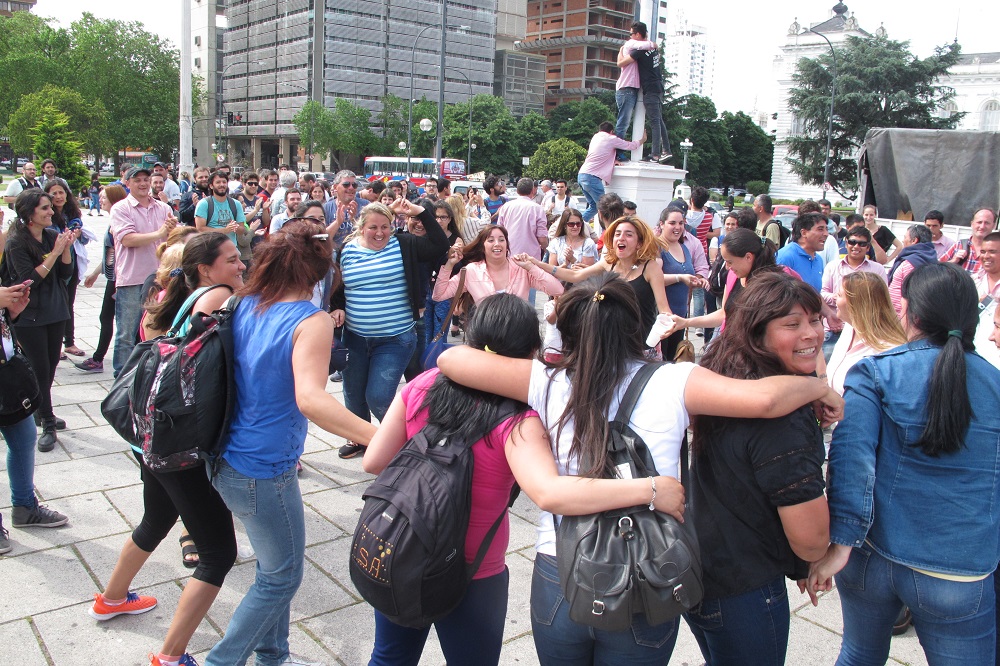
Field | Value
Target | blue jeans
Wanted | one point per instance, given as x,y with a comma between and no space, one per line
559,641
471,635
955,621
374,368
593,190
625,99
271,511
434,314
128,312
748,628
20,439
654,116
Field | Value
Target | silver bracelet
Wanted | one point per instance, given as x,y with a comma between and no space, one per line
652,483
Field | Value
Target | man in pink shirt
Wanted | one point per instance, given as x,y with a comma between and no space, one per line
627,87
600,162
138,224
934,220
527,226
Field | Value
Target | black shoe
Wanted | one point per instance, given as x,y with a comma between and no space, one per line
351,450
47,440
902,622
59,423
664,158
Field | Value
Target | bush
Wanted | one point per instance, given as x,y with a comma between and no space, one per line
757,187
560,158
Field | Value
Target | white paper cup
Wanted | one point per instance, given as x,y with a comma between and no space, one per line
660,326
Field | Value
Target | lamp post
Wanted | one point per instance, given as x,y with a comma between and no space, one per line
686,147
469,158
833,95
312,118
409,121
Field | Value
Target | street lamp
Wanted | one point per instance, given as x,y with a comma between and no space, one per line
469,158
312,118
409,123
686,147
833,95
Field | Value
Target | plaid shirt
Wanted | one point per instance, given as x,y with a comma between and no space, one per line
972,262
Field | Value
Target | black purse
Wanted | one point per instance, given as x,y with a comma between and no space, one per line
615,564
19,392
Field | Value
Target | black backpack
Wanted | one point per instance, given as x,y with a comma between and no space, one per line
615,564
407,557
784,233
174,397
717,276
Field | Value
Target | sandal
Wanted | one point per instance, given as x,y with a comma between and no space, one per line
188,550
75,351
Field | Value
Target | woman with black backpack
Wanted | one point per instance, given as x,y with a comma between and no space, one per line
602,351
504,450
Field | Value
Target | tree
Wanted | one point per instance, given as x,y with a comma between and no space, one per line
135,74
532,131
578,121
712,156
87,120
352,128
494,131
879,84
315,126
423,142
32,53
752,146
391,119
53,139
560,158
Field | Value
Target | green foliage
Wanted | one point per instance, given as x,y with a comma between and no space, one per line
495,132
352,131
532,131
88,120
422,144
752,147
712,156
392,122
315,126
578,121
32,53
134,73
879,84
757,187
53,139
560,158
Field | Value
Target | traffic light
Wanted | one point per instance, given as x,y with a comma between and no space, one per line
230,118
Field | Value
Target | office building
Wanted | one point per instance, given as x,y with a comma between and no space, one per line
689,56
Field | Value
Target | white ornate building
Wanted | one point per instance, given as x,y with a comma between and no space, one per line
976,80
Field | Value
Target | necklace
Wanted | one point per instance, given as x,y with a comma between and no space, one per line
628,272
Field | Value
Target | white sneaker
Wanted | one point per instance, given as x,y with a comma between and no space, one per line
295,660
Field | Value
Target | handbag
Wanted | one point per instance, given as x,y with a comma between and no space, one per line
19,391
338,352
440,341
615,564
685,348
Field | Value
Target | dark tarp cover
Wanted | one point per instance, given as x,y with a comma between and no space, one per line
913,171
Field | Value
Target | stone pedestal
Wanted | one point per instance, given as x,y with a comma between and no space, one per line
649,185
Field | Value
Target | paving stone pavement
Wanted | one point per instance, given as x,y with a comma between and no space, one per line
51,575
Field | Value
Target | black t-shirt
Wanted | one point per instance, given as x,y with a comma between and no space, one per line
748,469
884,238
650,66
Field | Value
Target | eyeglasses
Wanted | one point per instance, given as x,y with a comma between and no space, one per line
443,217
574,224
352,184
852,242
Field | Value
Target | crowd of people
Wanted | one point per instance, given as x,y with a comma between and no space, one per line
890,342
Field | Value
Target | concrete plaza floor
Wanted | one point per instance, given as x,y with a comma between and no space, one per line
50,577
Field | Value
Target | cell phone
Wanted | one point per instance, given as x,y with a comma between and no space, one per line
985,303
27,283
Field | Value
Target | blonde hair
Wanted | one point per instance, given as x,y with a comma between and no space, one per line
648,248
457,204
374,208
178,236
170,258
871,311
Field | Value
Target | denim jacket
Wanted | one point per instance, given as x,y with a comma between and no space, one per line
939,514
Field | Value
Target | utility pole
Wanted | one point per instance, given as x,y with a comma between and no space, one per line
186,157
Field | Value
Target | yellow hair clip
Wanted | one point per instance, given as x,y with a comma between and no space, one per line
487,349
598,296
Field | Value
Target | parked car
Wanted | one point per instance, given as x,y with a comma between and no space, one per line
786,219
715,206
784,208
462,186
5,164
21,161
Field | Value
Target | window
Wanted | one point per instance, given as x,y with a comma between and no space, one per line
989,118
947,110
798,126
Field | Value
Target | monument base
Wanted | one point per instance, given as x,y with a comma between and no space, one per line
649,185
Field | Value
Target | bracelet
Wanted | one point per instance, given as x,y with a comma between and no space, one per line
554,269
47,269
652,483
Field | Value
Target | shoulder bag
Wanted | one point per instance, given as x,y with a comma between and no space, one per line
440,341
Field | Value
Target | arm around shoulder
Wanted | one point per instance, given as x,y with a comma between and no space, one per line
509,377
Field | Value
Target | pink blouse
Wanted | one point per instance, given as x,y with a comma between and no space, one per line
479,285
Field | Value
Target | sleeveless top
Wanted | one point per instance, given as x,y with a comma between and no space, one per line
267,432
677,294
647,301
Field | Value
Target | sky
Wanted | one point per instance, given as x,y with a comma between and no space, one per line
746,37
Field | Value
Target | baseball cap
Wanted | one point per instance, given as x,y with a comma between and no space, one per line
134,171
679,203
160,164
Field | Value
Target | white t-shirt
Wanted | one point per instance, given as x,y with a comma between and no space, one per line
559,245
981,340
660,418
553,338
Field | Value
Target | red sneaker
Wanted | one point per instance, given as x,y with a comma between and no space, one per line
133,605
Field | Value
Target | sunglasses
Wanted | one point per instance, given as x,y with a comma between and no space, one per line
574,224
853,242
349,185
252,183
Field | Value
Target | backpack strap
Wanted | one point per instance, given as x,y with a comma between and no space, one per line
634,390
188,305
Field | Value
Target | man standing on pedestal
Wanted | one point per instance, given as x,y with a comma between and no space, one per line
599,164
650,66
627,88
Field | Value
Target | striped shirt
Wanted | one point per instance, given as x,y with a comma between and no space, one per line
378,304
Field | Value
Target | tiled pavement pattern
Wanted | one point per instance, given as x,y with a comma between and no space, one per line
50,577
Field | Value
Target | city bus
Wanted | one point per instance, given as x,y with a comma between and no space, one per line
420,168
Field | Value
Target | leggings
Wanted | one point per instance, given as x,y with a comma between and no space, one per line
69,333
41,344
107,322
190,495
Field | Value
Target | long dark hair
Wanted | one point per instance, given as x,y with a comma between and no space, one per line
602,337
200,250
25,205
740,351
741,241
70,209
508,326
452,224
941,297
476,250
